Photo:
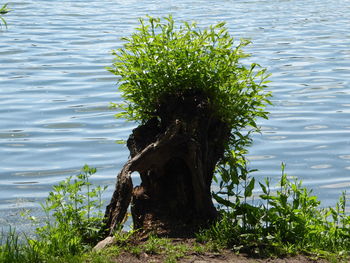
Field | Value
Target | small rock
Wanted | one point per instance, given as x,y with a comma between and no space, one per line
104,243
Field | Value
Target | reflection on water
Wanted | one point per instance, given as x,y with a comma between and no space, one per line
55,91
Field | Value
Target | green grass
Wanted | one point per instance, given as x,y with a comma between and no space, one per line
173,252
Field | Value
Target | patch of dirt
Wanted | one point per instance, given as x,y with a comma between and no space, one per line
224,256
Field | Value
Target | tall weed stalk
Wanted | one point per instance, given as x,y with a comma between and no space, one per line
73,214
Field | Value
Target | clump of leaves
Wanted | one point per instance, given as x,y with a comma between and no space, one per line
73,222
74,215
285,220
162,60
4,10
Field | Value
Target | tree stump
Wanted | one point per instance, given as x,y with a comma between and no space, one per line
175,154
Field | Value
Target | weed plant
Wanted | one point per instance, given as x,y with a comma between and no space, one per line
73,222
3,10
285,220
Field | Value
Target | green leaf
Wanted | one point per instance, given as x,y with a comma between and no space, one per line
248,191
263,187
222,201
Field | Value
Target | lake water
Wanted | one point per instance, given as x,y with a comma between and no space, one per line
55,90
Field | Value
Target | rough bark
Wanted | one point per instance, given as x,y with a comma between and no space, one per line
175,155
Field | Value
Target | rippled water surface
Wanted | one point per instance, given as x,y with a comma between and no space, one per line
55,91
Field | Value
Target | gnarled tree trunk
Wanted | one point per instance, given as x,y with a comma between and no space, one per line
175,155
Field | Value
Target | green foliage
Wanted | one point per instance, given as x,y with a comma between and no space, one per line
162,60
287,219
73,222
74,215
9,249
230,173
4,10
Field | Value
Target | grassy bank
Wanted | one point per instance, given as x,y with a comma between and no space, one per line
283,221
